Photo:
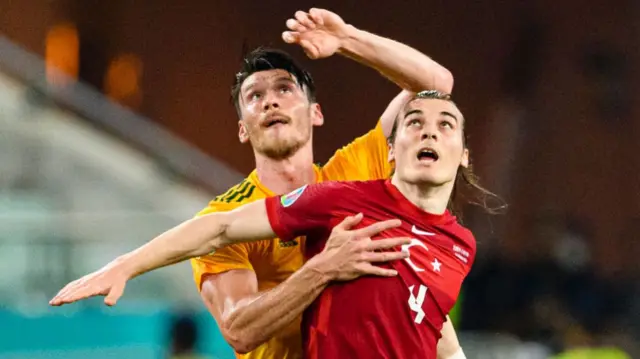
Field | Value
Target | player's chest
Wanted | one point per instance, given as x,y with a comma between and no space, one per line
436,257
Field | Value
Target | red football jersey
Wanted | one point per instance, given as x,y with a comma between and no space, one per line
377,317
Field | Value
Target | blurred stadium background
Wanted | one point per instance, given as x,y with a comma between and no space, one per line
115,124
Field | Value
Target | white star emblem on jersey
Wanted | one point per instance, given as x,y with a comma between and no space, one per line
436,265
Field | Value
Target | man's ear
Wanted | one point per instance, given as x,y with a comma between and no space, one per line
464,161
243,134
317,118
391,156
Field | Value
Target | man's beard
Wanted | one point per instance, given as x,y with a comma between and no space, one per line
281,148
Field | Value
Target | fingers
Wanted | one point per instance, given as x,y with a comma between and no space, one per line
85,287
349,222
290,37
316,16
304,19
376,228
114,294
294,25
373,270
387,243
57,299
73,293
310,49
379,257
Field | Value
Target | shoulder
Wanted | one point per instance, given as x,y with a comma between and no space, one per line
463,233
352,185
243,192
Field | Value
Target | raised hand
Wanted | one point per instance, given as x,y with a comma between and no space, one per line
319,32
349,253
109,281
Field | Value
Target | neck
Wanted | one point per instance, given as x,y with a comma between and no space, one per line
284,175
429,198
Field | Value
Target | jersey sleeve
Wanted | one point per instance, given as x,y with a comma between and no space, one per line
307,210
225,259
366,158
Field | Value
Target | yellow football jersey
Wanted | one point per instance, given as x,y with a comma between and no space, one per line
274,261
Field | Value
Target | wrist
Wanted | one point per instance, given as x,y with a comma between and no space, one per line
348,38
458,355
125,265
320,269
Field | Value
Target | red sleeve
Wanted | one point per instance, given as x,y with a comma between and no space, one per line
304,211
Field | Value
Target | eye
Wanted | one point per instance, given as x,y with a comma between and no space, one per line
255,96
414,122
446,123
285,89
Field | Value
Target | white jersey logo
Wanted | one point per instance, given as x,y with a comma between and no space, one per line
421,233
405,248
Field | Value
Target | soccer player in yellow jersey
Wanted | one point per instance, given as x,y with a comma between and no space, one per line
242,285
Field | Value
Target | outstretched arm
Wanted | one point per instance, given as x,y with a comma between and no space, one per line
193,238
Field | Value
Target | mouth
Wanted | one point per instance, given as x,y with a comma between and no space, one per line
275,120
427,154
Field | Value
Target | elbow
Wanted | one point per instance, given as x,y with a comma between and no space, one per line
240,341
444,81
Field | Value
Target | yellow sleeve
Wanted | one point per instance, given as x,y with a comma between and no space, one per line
366,158
232,257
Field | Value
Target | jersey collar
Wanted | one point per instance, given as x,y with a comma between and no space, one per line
253,178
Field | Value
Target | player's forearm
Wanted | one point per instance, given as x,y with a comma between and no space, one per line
193,238
407,67
448,345
255,320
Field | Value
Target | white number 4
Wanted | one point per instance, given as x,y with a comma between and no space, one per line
415,302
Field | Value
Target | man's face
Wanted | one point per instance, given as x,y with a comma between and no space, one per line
276,116
429,147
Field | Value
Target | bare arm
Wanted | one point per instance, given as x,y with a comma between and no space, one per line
322,33
192,238
391,112
248,318
448,345
405,66
200,236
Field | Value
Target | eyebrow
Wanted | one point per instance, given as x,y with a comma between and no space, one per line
279,79
415,111
419,112
449,114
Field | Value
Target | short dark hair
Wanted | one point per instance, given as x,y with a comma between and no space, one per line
466,188
264,59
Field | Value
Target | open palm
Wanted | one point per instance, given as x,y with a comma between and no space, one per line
319,32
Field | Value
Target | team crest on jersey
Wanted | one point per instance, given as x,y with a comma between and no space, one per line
292,197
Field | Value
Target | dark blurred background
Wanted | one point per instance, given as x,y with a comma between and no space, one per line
149,135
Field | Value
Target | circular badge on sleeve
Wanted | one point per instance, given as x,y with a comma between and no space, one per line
290,198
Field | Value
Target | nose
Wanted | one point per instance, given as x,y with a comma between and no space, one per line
270,102
429,132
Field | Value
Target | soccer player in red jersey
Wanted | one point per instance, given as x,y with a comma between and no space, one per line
370,317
